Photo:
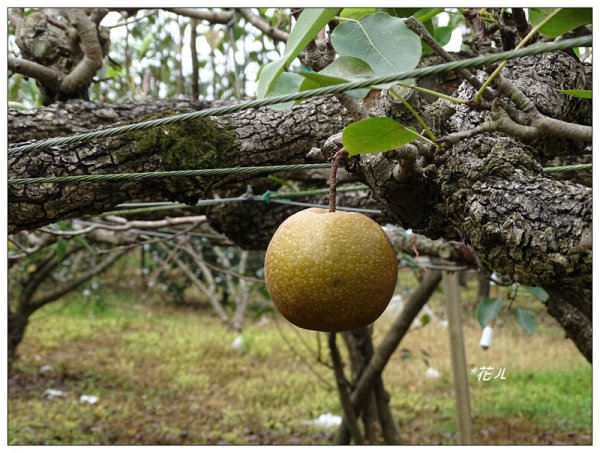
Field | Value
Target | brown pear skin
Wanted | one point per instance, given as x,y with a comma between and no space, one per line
330,271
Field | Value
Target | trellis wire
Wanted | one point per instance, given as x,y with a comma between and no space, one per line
333,89
563,168
212,172
165,174
267,196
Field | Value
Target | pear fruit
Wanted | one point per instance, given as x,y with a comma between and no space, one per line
330,271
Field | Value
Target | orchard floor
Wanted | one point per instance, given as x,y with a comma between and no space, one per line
169,375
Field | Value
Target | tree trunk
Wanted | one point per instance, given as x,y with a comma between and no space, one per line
17,323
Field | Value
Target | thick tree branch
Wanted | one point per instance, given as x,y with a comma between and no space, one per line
249,138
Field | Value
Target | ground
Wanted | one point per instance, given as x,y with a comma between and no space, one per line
165,374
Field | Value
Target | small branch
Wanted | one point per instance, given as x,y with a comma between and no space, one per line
558,128
214,17
347,407
211,290
335,162
47,76
456,252
453,139
544,124
133,21
509,90
195,86
150,224
407,159
420,30
262,25
98,14
356,109
75,282
521,23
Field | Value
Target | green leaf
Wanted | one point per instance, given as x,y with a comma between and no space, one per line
16,105
286,83
375,135
526,319
343,69
405,354
85,243
487,310
401,12
310,22
583,94
565,20
538,293
356,13
61,248
382,41
13,91
145,45
443,34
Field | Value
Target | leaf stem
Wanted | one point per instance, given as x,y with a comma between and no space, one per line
414,113
425,17
435,93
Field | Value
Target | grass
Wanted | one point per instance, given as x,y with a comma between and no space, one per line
169,375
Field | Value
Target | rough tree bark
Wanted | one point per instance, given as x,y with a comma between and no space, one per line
248,138
487,191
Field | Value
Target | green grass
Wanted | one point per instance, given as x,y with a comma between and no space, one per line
168,375
555,399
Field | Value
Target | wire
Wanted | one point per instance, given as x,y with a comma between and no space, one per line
567,168
164,174
332,89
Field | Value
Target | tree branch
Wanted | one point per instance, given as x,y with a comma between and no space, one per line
262,25
45,75
390,342
349,410
214,17
521,23
123,225
43,299
82,74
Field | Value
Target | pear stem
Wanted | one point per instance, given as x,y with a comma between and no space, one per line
335,163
